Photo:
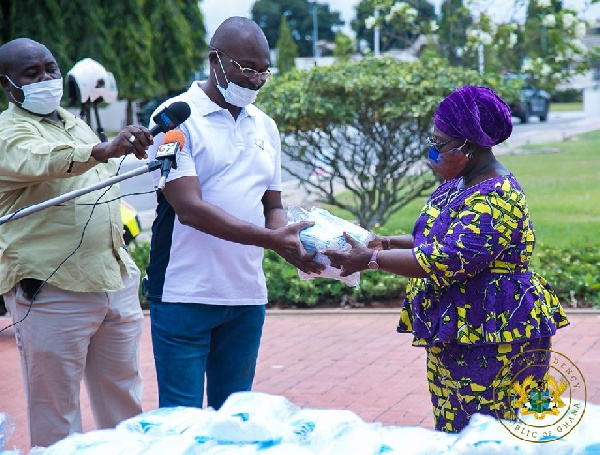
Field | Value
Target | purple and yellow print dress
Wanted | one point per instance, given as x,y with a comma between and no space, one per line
480,305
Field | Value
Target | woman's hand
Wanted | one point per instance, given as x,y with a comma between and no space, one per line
350,261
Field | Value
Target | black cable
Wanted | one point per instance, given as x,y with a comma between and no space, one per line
72,252
110,200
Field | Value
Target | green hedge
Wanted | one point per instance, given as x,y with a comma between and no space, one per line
574,274
569,95
140,252
286,289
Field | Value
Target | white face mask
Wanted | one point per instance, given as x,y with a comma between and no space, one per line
235,94
41,98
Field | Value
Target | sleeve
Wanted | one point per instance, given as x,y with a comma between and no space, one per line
185,162
476,237
29,157
275,141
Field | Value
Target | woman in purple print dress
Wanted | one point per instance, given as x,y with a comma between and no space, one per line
472,300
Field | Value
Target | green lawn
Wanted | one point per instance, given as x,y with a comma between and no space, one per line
562,189
560,107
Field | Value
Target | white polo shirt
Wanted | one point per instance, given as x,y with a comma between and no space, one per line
235,161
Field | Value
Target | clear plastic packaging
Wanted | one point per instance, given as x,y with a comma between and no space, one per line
411,440
101,442
256,423
166,421
327,234
7,428
253,418
335,432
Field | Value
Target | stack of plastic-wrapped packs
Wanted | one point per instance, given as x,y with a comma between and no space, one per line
253,423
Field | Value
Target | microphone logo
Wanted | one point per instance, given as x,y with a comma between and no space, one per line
170,117
167,150
165,120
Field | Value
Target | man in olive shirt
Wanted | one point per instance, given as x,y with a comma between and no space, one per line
67,281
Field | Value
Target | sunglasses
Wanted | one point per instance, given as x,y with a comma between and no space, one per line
437,144
250,73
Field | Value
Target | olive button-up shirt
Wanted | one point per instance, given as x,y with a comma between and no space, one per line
76,246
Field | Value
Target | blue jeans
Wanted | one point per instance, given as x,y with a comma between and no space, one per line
190,340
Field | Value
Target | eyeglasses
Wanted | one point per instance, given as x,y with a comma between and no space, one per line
438,145
250,73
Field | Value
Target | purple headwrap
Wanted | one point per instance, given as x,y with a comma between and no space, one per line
474,113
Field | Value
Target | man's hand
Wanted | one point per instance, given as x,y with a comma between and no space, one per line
289,247
132,139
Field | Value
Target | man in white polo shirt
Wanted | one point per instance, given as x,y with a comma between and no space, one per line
218,211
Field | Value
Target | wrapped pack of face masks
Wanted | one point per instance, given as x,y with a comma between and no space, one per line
327,234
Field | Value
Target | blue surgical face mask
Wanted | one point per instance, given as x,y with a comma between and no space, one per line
434,155
450,164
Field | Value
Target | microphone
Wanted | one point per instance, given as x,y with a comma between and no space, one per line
167,152
170,117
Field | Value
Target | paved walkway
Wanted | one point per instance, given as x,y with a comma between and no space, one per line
346,359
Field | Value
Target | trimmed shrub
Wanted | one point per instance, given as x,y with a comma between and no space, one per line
574,275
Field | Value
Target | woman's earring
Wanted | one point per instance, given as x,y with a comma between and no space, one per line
471,150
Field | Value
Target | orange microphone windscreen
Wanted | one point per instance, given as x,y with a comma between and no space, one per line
174,136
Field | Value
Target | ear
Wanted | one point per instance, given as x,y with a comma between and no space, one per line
4,83
469,148
212,57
